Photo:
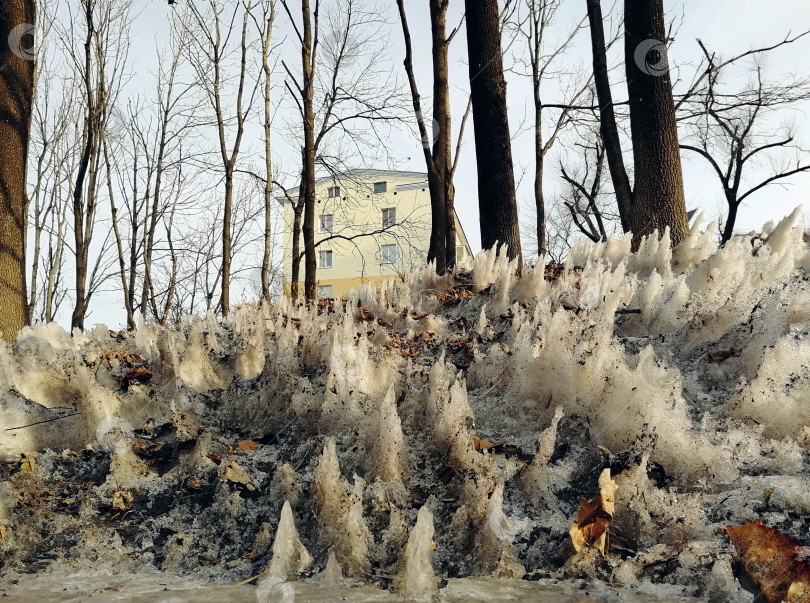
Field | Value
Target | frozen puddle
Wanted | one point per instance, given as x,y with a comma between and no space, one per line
46,588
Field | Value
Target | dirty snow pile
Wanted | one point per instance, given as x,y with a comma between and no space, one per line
428,430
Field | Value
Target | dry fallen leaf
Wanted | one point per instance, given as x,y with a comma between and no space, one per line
28,464
553,271
248,445
720,356
482,445
194,482
122,501
593,518
232,472
141,375
3,532
778,564
364,314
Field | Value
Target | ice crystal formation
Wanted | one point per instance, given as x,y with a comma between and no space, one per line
429,429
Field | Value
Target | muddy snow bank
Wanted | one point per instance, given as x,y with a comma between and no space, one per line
489,401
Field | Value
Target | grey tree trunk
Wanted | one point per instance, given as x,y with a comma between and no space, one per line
493,149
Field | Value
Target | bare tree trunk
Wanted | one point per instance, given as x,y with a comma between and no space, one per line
441,134
268,158
539,199
540,16
118,240
308,172
658,195
298,210
493,148
537,27
16,104
211,58
607,116
439,161
81,245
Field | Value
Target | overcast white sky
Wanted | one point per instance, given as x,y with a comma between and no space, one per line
727,26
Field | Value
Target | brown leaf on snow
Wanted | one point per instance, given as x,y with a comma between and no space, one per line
553,271
595,517
248,445
482,445
720,356
778,564
28,464
140,374
364,313
232,472
122,501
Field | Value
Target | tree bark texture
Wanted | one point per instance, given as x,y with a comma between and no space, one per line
16,100
658,194
493,150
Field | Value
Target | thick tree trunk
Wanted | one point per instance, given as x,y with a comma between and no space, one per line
16,100
658,195
493,149
607,116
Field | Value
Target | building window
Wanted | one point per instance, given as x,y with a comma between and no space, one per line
389,217
327,223
388,254
461,252
380,187
325,258
334,191
324,291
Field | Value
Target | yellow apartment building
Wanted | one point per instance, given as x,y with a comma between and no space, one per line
370,225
